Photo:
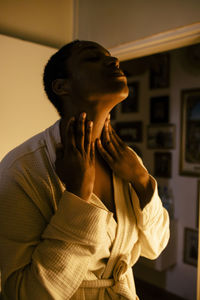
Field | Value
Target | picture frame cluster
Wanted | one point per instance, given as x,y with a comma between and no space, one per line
155,134
160,133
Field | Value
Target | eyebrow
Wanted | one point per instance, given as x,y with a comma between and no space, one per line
91,47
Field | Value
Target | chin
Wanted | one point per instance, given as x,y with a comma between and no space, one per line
114,93
121,93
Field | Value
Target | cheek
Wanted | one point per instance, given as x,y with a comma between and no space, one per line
83,85
88,81
94,82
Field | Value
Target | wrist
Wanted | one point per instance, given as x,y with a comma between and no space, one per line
140,179
81,193
144,189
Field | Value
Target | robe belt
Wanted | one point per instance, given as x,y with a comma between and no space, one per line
119,272
99,283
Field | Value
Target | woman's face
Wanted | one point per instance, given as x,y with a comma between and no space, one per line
95,74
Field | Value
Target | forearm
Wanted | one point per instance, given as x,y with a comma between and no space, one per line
152,222
141,182
53,263
50,274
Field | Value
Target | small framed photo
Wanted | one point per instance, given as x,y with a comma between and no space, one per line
130,131
159,109
161,137
130,104
159,71
190,255
162,164
190,133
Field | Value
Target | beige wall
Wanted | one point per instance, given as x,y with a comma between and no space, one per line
46,22
115,22
24,108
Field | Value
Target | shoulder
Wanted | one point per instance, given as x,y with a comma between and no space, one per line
33,151
23,152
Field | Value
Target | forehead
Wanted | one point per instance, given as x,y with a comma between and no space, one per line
84,46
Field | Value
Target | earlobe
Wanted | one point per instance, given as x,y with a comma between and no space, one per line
60,86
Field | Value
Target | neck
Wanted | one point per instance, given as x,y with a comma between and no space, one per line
98,116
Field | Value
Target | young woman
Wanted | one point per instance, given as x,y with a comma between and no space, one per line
77,205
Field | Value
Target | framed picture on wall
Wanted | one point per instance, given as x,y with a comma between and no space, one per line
161,136
130,131
190,254
159,71
190,133
162,164
159,109
130,104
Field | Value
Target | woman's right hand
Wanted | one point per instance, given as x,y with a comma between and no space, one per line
75,159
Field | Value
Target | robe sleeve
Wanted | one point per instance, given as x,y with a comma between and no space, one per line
152,224
40,258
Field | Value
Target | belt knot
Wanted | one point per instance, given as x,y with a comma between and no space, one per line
121,267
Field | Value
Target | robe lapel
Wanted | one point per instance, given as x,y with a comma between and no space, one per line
126,233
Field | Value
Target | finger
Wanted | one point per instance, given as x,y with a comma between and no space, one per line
106,156
88,136
70,142
108,143
92,152
80,132
118,139
105,133
67,131
113,138
108,117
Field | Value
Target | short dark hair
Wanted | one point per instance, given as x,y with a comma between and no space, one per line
56,68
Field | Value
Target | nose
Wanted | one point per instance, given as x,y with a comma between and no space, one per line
112,62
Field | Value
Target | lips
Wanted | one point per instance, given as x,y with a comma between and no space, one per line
117,73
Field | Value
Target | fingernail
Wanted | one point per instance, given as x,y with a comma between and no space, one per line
90,124
108,117
83,115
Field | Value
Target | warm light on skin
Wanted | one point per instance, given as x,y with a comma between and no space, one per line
96,84
93,87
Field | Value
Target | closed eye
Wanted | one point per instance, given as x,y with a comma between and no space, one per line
95,55
92,57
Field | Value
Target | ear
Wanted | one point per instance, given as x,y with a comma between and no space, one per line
60,86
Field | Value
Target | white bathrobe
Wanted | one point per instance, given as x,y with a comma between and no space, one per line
55,245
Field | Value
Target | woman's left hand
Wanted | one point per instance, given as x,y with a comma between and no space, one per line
121,159
125,163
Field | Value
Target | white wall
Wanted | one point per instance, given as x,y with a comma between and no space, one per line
180,279
46,22
24,108
114,22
